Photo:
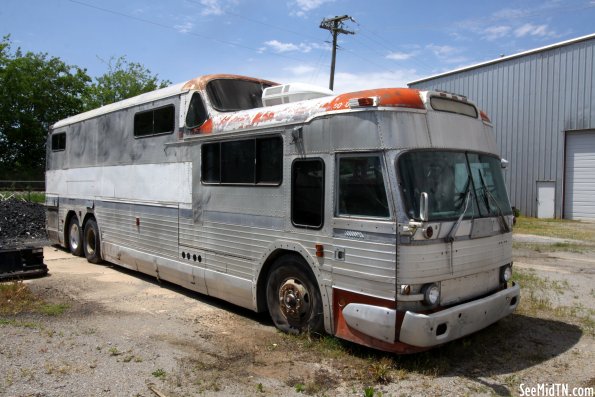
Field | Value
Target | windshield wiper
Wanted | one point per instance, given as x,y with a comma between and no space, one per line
502,220
450,237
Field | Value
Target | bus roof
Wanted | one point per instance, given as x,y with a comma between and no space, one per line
198,83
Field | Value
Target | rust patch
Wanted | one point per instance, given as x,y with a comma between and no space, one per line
341,298
200,83
388,97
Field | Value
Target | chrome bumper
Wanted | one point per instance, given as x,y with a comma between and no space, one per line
426,330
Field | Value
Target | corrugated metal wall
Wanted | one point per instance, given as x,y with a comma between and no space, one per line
532,100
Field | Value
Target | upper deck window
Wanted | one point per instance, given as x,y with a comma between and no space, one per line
452,106
59,141
229,95
155,121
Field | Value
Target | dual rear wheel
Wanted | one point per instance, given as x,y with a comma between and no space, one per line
84,241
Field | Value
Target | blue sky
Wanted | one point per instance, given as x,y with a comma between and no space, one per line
394,42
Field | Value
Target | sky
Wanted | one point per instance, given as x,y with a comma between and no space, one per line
393,42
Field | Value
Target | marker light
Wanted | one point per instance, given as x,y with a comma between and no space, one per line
363,102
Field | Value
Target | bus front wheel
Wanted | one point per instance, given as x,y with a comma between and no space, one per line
293,298
91,242
75,237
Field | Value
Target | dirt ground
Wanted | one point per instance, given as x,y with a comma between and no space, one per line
121,333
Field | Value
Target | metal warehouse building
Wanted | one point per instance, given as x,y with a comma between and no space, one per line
542,105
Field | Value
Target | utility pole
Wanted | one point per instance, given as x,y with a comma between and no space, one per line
335,26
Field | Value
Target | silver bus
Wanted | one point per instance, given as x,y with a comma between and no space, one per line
378,216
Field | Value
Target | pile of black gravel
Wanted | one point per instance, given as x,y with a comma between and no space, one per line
22,223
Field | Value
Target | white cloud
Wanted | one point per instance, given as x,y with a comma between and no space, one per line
442,51
345,82
304,6
399,56
496,32
529,29
280,47
447,54
348,82
211,7
301,70
184,27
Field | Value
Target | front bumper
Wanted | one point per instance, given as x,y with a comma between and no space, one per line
427,330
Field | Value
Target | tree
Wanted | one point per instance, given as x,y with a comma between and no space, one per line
36,90
123,80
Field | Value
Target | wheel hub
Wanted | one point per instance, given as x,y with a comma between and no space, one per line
294,300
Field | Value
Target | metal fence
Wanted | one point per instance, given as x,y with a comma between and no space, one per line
22,186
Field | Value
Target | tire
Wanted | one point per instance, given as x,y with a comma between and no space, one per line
91,242
75,237
293,297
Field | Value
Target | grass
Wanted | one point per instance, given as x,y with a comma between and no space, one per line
559,228
16,297
35,197
555,247
537,301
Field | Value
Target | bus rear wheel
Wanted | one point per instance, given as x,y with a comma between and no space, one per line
293,298
91,242
75,236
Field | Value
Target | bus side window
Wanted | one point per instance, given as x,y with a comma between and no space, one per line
307,193
361,187
197,114
59,141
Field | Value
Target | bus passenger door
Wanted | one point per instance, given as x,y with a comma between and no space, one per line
364,231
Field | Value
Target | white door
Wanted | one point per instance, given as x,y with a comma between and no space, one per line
579,176
546,198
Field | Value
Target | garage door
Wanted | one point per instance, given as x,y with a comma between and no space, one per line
579,189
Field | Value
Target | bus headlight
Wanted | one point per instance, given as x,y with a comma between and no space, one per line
431,294
505,273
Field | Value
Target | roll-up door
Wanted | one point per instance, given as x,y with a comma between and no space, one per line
579,188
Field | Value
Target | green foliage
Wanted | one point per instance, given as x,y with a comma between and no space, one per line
123,80
159,373
37,90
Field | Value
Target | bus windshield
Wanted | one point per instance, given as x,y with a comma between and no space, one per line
230,95
451,179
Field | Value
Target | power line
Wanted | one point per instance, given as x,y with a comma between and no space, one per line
173,28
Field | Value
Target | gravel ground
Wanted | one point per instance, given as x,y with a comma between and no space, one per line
121,333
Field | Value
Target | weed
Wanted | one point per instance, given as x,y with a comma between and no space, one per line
260,388
113,351
16,323
53,309
379,371
159,373
369,391
300,388
16,297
